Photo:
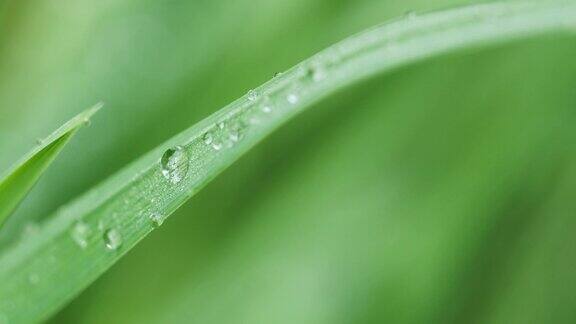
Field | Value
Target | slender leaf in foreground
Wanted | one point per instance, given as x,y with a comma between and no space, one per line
41,273
18,181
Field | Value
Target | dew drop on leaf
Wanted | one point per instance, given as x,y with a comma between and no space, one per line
208,138
174,164
266,105
157,219
292,98
234,135
112,239
80,234
252,95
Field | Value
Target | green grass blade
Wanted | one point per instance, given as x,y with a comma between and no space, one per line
20,179
41,273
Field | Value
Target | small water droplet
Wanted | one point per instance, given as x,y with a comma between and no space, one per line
87,122
81,233
318,71
217,145
174,164
221,125
253,95
39,141
157,219
208,138
266,105
292,98
112,239
33,279
234,135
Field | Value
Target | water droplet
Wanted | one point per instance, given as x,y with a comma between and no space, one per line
208,138
33,279
253,95
292,98
39,141
112,239
87,122
266,105
81,233
234,135
174,164
157,219
217,145
221,125
318,71
333,56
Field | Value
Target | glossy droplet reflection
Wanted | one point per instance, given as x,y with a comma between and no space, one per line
174,164
112,239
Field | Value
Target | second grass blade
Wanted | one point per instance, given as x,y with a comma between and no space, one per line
21,178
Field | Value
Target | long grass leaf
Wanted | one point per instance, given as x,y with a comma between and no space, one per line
40,274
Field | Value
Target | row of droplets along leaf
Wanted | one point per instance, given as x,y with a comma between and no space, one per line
175,162
82,234
262,105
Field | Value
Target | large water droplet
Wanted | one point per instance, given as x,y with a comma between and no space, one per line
157,219
81,233
112,239
174,164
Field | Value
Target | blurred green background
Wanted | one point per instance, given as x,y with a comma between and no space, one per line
445,192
